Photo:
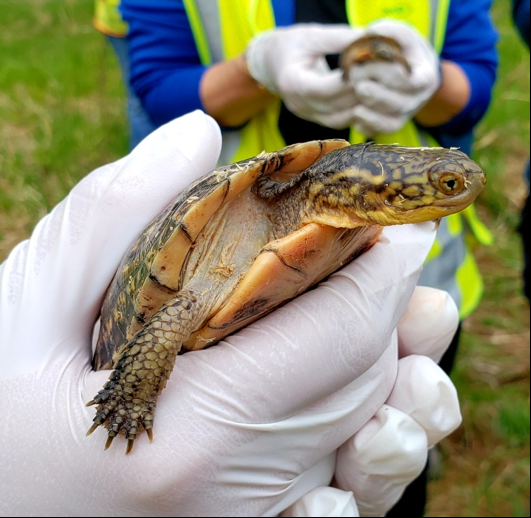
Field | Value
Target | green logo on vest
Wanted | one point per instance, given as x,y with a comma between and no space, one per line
398,11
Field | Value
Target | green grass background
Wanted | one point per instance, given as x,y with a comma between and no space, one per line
62,115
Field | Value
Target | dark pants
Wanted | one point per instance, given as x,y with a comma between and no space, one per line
140,123
413,501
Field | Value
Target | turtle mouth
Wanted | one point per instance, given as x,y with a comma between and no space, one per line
441,205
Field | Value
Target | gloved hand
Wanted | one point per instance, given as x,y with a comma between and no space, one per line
375,466
243,429
291,62
388,95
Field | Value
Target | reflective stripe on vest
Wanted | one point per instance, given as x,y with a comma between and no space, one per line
450,265
107,18
222,30
430,18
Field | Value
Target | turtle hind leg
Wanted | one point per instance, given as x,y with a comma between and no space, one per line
127,402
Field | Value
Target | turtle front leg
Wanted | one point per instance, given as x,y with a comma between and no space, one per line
127,402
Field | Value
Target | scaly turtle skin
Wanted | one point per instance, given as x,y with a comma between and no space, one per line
247,238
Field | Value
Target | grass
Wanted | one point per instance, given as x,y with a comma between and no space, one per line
486,463
62,113
61,107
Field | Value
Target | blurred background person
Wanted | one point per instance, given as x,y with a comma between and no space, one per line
197,54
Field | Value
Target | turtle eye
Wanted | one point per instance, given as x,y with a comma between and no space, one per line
448,183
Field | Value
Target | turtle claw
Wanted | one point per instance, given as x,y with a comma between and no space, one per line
130,444
122,414
109,441
126,404
92,429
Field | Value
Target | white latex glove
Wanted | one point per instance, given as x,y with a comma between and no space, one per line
243,429
388,95
291,62
376,465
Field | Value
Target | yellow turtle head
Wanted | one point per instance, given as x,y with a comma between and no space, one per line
391,185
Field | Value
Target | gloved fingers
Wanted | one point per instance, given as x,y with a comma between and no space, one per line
387,101
392,75
424,76
381,460
229,443
370,122
324,362
60,275
327,39
425,393
324,501
273,56
314,86
419,54
306,41
321,96
339,120
331,335
336,113
428,325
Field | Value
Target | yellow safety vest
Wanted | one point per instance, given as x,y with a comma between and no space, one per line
222,30
107,18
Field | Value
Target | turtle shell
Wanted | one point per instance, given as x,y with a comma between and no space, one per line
372,48
247,238
158,264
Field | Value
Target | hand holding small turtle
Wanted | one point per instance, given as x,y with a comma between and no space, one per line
244,429
388,92
291,62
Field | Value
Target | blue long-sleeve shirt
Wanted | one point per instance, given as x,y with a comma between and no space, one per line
166,69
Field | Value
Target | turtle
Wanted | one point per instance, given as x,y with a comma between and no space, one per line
247,238
371,48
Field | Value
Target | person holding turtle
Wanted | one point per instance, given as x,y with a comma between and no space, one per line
266,70
311,411
230,449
